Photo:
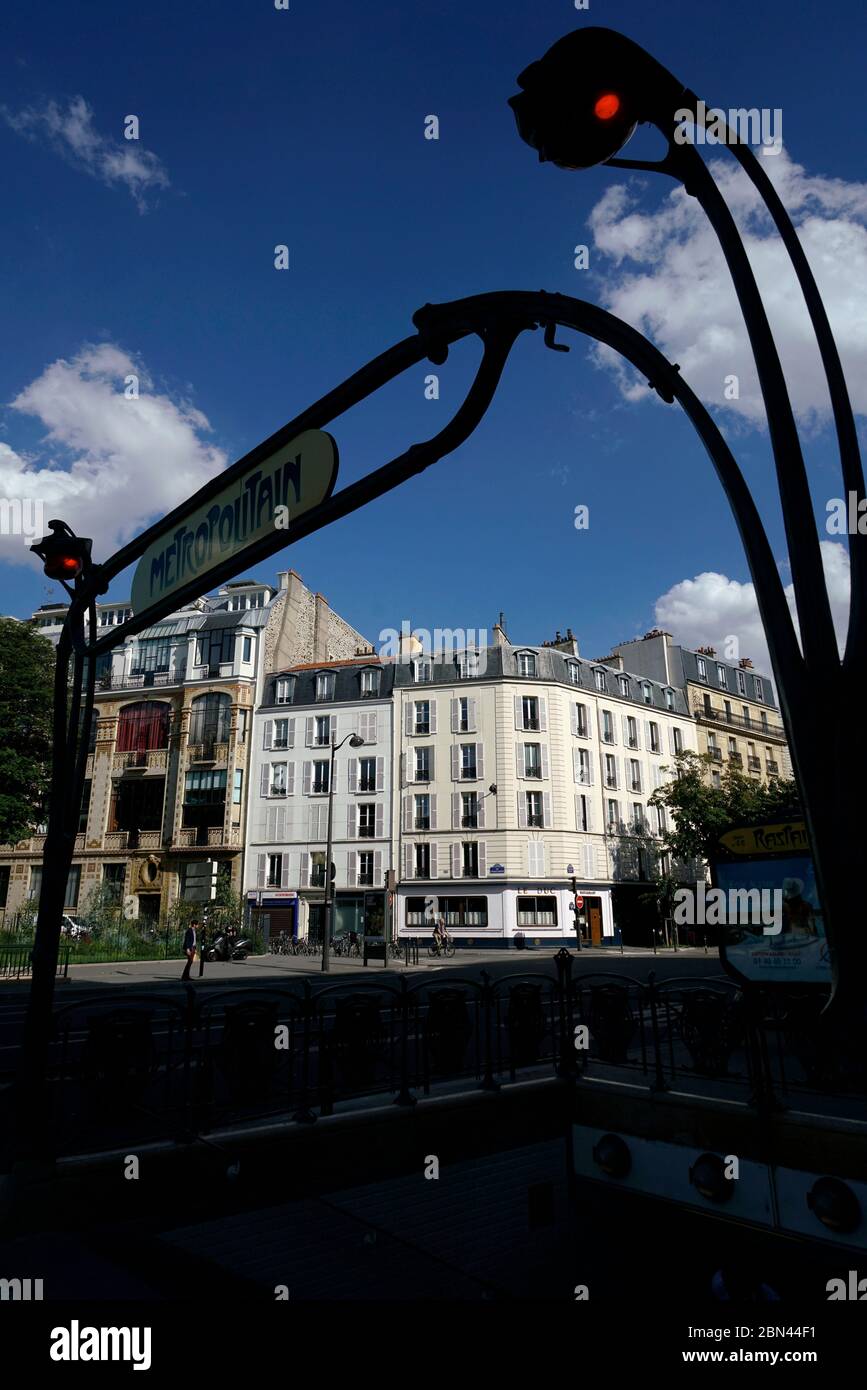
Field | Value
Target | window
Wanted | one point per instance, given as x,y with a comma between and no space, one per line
421,816
764,719
574,671
317,869
114,879
583,814
702,668
537,912
143,726
584,767
715,779
610,770
469,811
599,678
722,676
632,732
321,776
607,727
526,664
422,717
210,721
623,682
760,690
283,688
370,682
532,760
468,761
470,859
248,649
325,685
661,821
467,664
728,708
367,774
150,654
637,816
322,730
458,912
669,699
274,871
277,781
280,736
421,670
366,820
581,726
422,861
635,774
742,682
677,740
463,715
655,744
204,788
534,808
647,692
733,747
745,710
215,648
238,783
85,807
613,816
422,764
530,712
365,868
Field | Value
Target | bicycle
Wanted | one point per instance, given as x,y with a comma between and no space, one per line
444,947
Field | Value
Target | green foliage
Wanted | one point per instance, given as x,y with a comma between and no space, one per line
101,911
26,696
698,813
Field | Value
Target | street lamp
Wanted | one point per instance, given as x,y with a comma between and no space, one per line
328,928
578,106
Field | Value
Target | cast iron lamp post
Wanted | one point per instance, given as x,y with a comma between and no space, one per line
578,107
328,927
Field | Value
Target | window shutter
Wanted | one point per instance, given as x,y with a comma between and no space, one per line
480,760
334,773
522,810
290,732
408,716
433,811
578,819
373,727
648,742
433,716
290,779
269,733
377,867
576,764
407,861
546,810
670,739
456,765
519,759
433,768
271,823
404,771
625,719
352,775
456,810
380,774
589,770
307,777
308,733
456,861
588,857
481,805
407,813
433,861
590,813
543,716
352,868
545,768
379,820
519,722
305,869
483,859
260,870
351,821
264,779
280,829
455,715
573,712
284,870
471,715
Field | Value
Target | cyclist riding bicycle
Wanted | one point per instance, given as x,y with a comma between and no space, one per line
441,937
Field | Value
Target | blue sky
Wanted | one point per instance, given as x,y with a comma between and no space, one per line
260,127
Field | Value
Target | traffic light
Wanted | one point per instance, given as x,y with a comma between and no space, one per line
63,554
581,102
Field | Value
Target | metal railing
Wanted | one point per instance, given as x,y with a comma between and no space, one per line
127,1067
738,721
16,962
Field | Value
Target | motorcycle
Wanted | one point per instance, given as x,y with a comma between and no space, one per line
227,947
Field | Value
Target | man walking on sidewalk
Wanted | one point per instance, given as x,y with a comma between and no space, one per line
191,937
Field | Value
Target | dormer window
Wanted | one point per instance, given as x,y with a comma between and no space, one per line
574,672
421,670
599,678
722,677
623,682
760,690
284,689
369,682
467,664
325,685
526,663
669,699
647,691
702,668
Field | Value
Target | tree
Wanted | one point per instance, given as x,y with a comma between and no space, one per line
26,699
697,813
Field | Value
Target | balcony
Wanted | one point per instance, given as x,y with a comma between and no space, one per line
116,841
754,764
150,839
737,721
773,767
140,760
736,758
140,680
716,754
208,752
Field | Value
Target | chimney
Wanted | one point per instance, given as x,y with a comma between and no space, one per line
500,632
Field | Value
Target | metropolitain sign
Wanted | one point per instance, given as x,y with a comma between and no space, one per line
269,496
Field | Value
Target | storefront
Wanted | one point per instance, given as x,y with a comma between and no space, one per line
493,916
273,913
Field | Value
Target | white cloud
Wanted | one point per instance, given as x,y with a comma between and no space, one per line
711,609
71,132
671,282
109,463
